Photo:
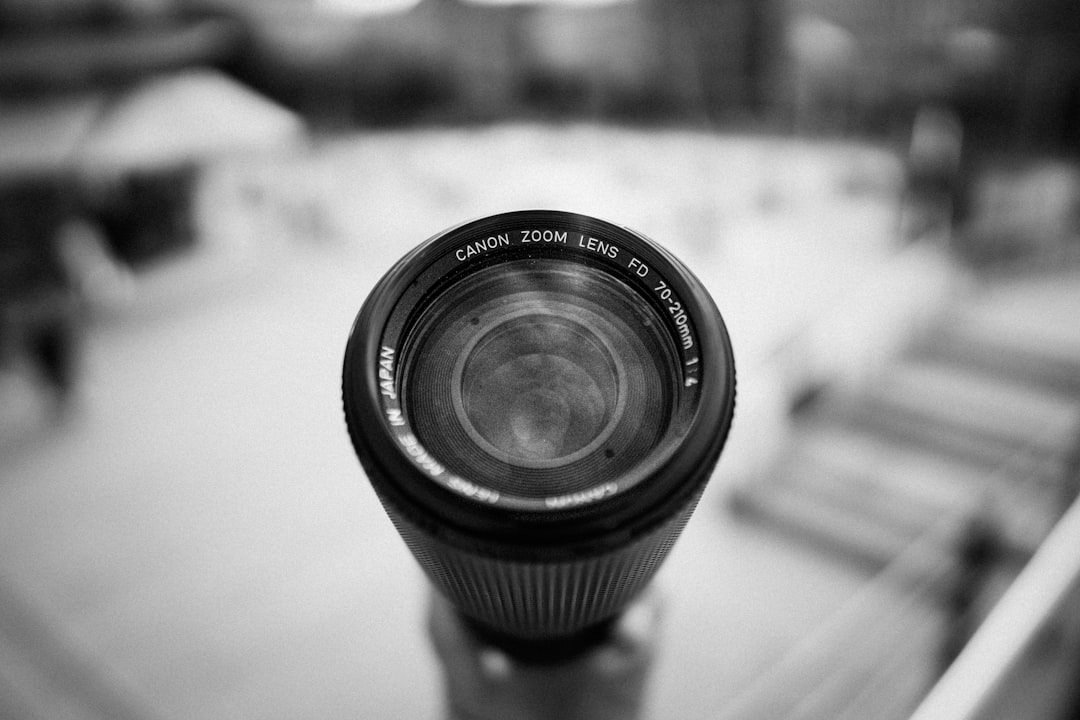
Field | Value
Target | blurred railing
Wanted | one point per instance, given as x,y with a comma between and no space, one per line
880,655
977,617
1025,658
874,657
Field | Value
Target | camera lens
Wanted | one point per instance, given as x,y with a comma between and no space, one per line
538,399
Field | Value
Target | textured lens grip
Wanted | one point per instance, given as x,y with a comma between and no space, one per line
547,600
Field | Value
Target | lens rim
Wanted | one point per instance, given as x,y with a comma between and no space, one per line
462,513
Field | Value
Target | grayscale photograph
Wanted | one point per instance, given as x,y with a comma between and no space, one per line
539,360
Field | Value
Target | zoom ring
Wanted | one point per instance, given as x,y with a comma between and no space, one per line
541,600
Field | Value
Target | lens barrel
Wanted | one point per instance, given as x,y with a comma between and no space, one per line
538,399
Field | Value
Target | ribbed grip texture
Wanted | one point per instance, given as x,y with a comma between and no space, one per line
542,600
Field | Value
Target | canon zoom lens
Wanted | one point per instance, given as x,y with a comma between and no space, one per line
538,399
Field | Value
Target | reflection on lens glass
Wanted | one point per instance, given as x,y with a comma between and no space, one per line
539,389
538,378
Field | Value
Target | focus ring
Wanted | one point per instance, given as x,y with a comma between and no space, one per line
546,599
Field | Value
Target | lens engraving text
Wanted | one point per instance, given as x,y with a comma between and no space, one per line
479,247
580,498
386,373
417,452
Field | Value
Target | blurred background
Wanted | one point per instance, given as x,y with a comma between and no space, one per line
197,195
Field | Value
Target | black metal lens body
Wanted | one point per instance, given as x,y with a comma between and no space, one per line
538,399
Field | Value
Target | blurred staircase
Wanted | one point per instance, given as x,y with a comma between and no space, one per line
942,475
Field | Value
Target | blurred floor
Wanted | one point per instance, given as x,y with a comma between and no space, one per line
196,539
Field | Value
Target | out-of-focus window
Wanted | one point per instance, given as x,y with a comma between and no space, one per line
365,7
570,3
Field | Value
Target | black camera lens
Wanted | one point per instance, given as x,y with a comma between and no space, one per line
538,399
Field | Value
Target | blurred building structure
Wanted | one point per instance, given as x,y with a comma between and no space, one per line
451,60
1010,69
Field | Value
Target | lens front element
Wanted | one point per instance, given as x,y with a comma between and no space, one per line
538,389
539,378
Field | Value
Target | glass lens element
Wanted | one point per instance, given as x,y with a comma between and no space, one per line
539,389
540,377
